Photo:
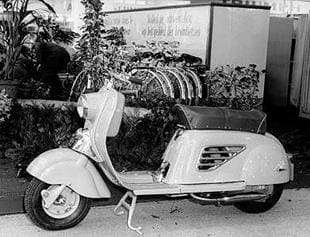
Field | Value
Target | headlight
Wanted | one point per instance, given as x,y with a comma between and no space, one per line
82,107
88,105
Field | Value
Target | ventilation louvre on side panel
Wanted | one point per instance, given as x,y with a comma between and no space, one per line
213,157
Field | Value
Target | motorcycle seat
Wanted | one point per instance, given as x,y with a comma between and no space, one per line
220,118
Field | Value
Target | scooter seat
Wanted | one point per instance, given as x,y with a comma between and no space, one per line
220,118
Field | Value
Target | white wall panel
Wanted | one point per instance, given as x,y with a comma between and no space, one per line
278,61
240,38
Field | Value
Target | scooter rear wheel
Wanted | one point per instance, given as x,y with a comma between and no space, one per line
262,205
67,211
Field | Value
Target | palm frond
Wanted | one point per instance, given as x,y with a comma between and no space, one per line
48,6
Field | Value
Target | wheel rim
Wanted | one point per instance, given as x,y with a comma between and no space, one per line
153,86
65,205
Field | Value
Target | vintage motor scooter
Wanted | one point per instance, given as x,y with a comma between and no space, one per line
218,156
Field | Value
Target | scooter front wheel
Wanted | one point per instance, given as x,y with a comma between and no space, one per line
66,211
263,205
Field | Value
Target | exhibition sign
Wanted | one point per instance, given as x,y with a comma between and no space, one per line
187,26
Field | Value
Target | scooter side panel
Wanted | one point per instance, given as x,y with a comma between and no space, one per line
65,166
184,153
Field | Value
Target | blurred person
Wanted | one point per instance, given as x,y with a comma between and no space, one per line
51,59
24,68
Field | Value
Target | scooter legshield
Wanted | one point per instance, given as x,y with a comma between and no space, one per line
65,166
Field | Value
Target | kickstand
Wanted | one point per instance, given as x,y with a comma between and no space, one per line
130,208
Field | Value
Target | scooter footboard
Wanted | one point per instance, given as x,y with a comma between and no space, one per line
65,166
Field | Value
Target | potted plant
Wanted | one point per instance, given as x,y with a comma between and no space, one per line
90,48
234,87
16,23
96,50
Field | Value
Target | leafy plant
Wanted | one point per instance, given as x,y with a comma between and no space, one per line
91,48
15,30
234,87
5,106
33,129
50,30
140,144
142,141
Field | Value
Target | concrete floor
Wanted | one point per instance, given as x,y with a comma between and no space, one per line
289,218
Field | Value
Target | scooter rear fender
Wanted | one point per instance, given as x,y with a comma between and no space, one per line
267,163
65,166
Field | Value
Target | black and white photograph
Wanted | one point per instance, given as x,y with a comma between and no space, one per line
155,118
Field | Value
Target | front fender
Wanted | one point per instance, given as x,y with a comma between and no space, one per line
65,166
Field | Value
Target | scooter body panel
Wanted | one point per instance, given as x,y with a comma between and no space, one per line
266,163
262,159
65,166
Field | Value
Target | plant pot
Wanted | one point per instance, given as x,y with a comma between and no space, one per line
10,86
